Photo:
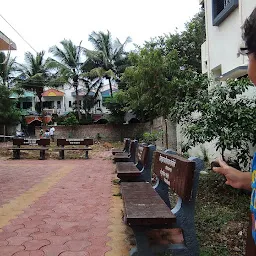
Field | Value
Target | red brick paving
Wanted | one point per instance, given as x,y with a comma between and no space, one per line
11,187
71,219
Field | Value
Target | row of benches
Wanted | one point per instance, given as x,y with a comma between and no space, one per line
20,144
147,206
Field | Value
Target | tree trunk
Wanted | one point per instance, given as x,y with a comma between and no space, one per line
39,92
166,133
77,102
222,154
110,87
40,104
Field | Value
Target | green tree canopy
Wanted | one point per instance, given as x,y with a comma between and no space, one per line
8,67
118,107
108,58
9,114
69,61
34,74
224,115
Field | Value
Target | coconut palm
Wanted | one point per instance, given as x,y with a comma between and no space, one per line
68,61
34,74
108,56
8,67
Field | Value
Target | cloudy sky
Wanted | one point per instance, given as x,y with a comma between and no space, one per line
45,23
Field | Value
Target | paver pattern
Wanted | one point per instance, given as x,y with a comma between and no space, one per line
56,207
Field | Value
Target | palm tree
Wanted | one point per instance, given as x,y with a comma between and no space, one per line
108,56
69,62
34,74
8,67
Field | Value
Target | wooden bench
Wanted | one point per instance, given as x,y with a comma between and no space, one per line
128,171
18,142
127,156
127,143
148,208
61,143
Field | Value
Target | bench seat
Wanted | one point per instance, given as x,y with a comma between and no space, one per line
117,151
127,143
127,156
122,157
144,207
127,169
141,171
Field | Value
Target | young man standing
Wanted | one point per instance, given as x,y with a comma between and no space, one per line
52,130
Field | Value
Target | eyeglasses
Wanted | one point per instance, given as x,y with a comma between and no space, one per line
243,51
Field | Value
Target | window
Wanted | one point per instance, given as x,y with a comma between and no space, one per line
58,104
48,104
27,105
221,9
70,104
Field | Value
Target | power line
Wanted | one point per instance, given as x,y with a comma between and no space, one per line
18,34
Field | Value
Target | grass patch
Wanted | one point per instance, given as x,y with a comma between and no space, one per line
221,217
116,181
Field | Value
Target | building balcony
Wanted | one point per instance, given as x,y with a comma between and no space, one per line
51,111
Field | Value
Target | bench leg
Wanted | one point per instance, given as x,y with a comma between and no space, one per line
185,220
61,154
86,154
142,244
42,154
16,153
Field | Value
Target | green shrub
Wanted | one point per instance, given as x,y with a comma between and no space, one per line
70,120
151,137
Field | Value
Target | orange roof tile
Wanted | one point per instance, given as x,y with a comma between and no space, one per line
52,93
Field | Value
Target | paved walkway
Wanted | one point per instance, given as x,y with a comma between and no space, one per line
60,207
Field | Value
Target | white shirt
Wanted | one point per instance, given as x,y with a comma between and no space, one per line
52,130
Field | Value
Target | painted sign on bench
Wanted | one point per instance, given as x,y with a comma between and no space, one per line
176,172
34,142
64,142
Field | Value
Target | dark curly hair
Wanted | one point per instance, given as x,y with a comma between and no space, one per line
249,33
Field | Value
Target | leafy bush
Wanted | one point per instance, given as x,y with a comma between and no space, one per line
70,120
151,137
224,115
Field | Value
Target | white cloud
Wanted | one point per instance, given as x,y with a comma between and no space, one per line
46,23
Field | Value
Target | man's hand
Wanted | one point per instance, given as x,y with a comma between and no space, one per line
235,178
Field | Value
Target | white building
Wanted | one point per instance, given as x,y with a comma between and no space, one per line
220,52
60,101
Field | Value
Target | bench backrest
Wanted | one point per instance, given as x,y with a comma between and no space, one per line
176,172
142,154
132,150
31,142
64,142
127,143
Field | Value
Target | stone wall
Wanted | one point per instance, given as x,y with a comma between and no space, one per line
107,132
